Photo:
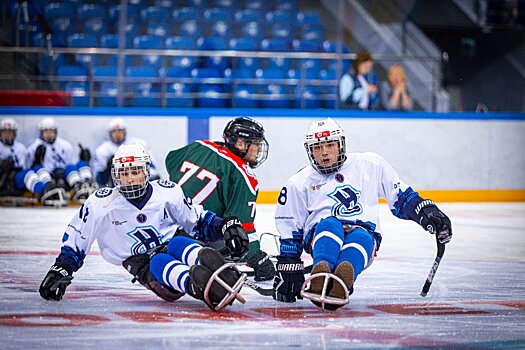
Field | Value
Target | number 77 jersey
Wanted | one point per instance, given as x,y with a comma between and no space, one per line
216,178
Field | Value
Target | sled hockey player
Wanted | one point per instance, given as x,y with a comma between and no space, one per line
15,176
220,177
330,210
138,225
103,158
57,156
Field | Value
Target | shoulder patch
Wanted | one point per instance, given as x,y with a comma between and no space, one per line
166,183
103,192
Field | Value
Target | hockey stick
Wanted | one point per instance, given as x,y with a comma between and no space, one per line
430,278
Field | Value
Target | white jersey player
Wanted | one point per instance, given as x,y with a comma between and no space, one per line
135,225
104,153
57,156
330,209
15,175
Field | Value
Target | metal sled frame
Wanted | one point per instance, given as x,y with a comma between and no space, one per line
324,298
232,291
57,203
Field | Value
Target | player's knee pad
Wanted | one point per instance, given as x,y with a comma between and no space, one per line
185,249
327,241
358,249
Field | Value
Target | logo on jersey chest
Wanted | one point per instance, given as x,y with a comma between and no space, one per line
346,201
142,218
145,237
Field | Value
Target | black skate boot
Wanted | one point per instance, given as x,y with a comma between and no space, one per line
213,281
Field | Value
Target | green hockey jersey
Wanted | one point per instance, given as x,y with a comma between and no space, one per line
213,176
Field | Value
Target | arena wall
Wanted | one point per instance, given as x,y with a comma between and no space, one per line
449,156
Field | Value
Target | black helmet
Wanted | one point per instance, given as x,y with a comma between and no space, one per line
249,130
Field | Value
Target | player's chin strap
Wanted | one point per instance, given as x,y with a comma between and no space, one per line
323,298
232,292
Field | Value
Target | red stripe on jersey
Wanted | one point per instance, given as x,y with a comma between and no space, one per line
248,226
241,164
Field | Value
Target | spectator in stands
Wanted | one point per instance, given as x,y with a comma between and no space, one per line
15,176
104,153
394,92
354,90
57,156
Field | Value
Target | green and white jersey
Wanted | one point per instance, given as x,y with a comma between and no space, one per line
216,178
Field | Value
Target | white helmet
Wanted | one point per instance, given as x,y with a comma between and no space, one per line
322,131
48,123
117,124
133,161
8,124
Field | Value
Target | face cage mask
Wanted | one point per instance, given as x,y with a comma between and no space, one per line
262,155
131,191
337,164
50,141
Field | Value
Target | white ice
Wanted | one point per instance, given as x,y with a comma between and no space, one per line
477,299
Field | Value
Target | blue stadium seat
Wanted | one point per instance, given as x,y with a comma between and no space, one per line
182,43
308,46
209,92
259,5
79,93
93,18
307,97
245,44
178,90
328,91
154,13
158,28
282,30
276,92
312,33
277,45
228,4
203,4
106,85
212,44
287,5
218,14
146,42
247,15
132,15
56,10
80,40
280,17
243,91
220,28
165,4
62,27
71,73
190,28
309,18
186,14
253,30
144,90
333,47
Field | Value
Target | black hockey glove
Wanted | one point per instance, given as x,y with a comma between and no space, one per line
262,266
288,281
55,283
434,220
40,152
235,238
84,154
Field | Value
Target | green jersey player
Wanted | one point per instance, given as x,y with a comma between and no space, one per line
219,176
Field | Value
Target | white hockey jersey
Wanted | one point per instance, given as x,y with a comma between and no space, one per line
122,229
108,148
58,154
17,151
350,194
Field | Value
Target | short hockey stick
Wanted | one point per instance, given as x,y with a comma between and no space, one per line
430,278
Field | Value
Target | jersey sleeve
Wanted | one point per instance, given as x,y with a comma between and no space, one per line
401,198
291,214
240,201
185,214
79,236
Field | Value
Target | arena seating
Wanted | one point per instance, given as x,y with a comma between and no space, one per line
187,80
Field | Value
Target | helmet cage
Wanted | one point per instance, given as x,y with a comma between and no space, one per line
325,131
8,124
137,167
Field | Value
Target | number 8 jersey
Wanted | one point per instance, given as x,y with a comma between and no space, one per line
350,194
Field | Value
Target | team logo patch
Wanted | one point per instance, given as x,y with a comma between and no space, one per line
346,200
339,178
141,218
103,192
166,183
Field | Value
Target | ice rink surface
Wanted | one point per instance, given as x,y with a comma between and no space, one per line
477,300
